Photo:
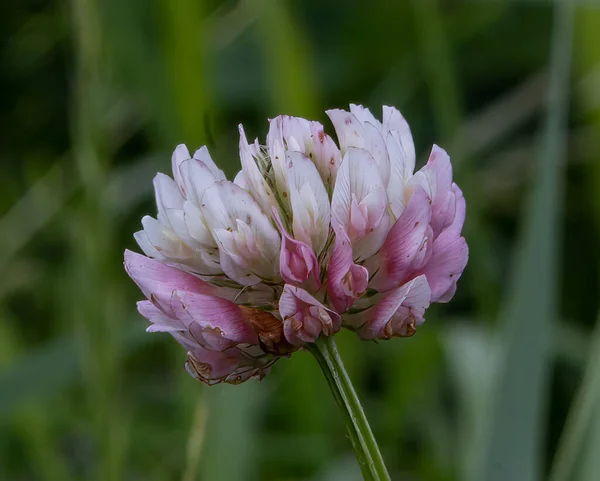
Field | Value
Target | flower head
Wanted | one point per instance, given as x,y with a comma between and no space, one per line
309,237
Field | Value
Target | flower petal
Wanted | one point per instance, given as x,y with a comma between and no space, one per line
406,238
438,172
203,155
348,128
309,201
325,154
158,281
214,323
160,321
389,316
359,203
232,366
297,261
346,281
258,186
450,256
248,243
180,154
364,115
305,318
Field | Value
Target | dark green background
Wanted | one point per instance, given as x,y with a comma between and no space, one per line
94,96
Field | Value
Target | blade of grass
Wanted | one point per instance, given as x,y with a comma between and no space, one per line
289,70
59,361
514,441
293,89
583,408
30,422
446,99
99,309
580,417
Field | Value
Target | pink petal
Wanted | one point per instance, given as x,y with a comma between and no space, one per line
450,255
443,207
231,366
403,244
401,305
305,318
445,267
297,261
214,323
158,281
160,322
346,281
359,203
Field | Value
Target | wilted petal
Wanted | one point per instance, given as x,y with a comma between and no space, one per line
394,312
305,318
232,366
403,243
346,281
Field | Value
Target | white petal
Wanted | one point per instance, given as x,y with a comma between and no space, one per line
240,179
225,205
164,239
142,239
348,128
358,192
258,186
394,122
197,229
197,177
375,145
203,155
180,154
167,195
275,144
364,115
325,154
310,202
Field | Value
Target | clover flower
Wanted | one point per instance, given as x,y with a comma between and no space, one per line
309,237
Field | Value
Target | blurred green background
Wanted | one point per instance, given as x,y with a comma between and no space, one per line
502,384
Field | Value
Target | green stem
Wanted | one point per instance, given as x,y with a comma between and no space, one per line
365,447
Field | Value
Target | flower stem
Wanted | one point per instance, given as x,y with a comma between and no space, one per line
365,447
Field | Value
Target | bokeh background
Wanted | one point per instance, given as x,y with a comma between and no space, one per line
502,384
